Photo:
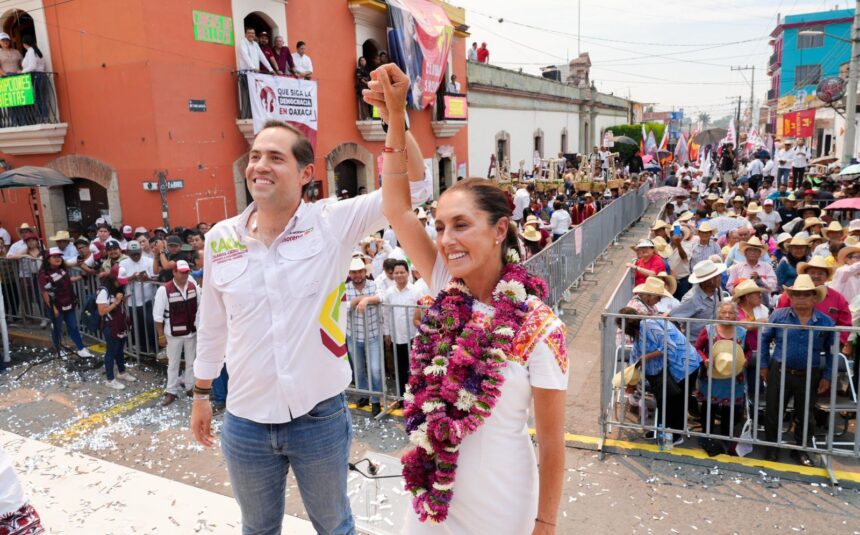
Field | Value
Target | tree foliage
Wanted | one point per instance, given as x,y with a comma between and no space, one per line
634,131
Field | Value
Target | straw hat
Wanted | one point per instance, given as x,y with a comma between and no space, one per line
662,247
811,222
746,287
659,224
813,207
726,356
737,198
834,226
652,286
815,238
669,281
712,197
845,251
705,227
752,242
803,283
705,270
718,201
61,235
643,244
815,262
853,226
798,240
531,234
628,377
25,226
782,238
790,198
753,208
686,216
532,220
357,264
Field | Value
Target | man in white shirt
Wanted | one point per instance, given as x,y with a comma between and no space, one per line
522,200
769,169
398,328
453,86
799,162
139,295
5,236
273,288
20,246
428,228
769,216
251,56
755,171
64,244
472,54
784,160
176,314
560,220
303,63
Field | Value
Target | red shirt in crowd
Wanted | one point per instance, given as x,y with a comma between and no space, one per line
483,55
655,264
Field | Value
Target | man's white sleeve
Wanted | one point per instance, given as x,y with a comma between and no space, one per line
159,304
212,333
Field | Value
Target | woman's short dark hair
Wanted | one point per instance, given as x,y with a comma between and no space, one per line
631,325
490,199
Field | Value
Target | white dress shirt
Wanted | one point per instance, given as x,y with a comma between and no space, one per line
251,56
559,222
161,306
801,157
398,318
141,292
32,62
275,313
521,202
472,55
784,158
303,63
5,236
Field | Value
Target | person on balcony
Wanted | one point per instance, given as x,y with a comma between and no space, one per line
10,58
453,86
483,54
472,54
303,63
251,57
362,77
33,58
283,58
268,52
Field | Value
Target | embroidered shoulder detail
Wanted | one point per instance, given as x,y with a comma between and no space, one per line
555,342
538,321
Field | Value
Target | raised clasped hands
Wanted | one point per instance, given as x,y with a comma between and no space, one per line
387,90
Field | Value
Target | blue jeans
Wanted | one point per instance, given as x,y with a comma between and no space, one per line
71,319
316,445
219,386
364,354
114,353
782,176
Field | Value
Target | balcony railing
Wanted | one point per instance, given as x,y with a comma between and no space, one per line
773,60
44,107
771,95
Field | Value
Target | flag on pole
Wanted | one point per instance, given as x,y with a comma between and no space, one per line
642,141
664,143
731,134
651,144
681,154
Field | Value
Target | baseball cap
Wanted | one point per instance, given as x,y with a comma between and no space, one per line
767,202
133,247
182,266
82,241
4,35
111,244
127,230
55,251
141,230
174,240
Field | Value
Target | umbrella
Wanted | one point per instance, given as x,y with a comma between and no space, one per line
33,177
850,172
851,203
664,192
711,136
823,160
625,140
725,224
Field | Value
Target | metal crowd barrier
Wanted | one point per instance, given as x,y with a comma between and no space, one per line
818,431
380,370
23,301
567,259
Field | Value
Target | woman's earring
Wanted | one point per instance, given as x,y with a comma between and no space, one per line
497,242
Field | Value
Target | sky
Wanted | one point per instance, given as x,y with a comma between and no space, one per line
672,53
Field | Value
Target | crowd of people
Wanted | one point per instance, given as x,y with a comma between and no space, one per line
735,247
257,53
136,287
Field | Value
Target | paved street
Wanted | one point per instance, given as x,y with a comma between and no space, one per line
73,410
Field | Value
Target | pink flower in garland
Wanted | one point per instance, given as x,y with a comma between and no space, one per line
456,379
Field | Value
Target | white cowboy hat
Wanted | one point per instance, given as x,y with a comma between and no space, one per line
661,247
61,235
798,240
854,225
727,357
746,287
752,242
753,208
803,283
357,264
686,216
644,243
705,227
659,224
706,269
652,286
834,226
816,262
531,234
844,252
811,222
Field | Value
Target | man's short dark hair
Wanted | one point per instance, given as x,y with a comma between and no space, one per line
300,44
399,262
389,263
302,149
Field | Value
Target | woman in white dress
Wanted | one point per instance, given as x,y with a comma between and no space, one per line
487,349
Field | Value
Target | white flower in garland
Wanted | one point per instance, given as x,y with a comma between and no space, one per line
497,353
465,400
440,486
504,331
438,366
514,290
408,396
512,256
430,406
420,439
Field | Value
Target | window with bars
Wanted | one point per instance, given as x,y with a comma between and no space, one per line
810,38
807,75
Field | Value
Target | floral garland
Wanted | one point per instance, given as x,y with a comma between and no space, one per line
455,380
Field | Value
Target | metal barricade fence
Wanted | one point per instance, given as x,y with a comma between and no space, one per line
565,261
750,407
23,301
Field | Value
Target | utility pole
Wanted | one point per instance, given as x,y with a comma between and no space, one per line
162,189
752,89
851,97
579,25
